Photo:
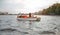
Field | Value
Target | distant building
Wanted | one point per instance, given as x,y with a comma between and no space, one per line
3,13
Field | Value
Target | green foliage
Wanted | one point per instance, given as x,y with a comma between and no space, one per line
53,10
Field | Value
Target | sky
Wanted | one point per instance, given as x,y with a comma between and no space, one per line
25,6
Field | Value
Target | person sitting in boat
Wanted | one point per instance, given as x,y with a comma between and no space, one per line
31,15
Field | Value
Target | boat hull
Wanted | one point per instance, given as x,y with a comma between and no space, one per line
28,19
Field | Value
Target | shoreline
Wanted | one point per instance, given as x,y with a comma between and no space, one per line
42,15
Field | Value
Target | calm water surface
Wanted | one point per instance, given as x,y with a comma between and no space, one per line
47,23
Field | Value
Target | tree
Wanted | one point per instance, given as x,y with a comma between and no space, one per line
52,10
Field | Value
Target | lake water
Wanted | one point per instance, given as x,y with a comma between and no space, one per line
47,23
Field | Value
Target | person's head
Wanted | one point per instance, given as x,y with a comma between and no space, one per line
29,13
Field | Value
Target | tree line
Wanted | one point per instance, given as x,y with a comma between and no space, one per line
52,10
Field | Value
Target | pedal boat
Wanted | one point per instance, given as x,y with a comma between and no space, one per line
25,18
28,18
